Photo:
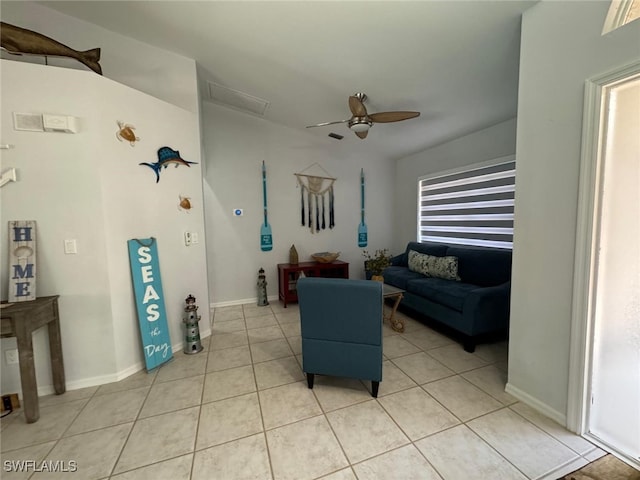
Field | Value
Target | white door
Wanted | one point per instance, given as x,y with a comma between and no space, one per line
613,416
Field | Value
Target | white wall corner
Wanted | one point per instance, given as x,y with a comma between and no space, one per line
536,404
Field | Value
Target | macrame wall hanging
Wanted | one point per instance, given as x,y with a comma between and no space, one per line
316,199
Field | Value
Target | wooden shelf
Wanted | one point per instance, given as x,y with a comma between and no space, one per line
288,276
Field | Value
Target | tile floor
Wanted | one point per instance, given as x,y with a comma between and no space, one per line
241,410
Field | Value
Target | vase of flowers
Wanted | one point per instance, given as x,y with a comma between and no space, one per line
375,263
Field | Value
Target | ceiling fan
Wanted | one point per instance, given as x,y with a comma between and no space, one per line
361,121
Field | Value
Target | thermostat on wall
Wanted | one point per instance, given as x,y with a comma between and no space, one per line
238,212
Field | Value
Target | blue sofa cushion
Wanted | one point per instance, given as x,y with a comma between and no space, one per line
399,276
485,267
445,292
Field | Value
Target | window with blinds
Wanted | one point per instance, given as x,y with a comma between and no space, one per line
473,206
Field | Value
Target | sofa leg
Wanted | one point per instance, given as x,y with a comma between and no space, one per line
469,345
374,388
310,380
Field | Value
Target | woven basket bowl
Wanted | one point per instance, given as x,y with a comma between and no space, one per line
325,257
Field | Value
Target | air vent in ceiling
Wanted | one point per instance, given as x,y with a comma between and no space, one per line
336,136
236,99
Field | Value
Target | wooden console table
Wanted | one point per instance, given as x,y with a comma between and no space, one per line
20,320
288,276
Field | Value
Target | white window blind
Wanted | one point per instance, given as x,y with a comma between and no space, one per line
469,207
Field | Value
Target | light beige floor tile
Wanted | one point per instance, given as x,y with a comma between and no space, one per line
68,396
137,380
171,396
404,463
594,454
288,404
427,339
253,310
265,334
159,438
278,372
110,409
52,424
183,366
265,320
228,326
417,413
229,340
94,453
561,471
229,419
339,392
571,440
271,350
175,469
393,379
458,453
291,329
344,474
365,430
463,399
233,312
228,383
14,469
422,368
228,358
295,343
242,459
491,380
531,450
396,346
455,358
304,450
288,316
493,352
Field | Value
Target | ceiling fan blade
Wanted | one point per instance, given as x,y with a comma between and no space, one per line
386,117
362,134
327,123
357,107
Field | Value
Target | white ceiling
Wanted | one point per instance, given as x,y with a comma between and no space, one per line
456,62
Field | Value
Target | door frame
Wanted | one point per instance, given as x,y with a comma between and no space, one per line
585,262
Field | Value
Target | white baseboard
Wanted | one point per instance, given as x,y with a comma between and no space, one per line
536,404
231,303
109,378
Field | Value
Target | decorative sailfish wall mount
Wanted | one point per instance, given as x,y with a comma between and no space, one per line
313,189
167,156
19,41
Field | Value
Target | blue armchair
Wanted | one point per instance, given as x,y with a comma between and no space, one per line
341,324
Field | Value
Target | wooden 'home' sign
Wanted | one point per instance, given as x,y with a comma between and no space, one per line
22,260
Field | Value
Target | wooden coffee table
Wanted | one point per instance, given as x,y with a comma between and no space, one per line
389,291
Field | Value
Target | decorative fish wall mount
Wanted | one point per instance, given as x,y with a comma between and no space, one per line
167,156
18,40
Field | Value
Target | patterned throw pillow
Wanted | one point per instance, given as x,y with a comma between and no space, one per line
432,266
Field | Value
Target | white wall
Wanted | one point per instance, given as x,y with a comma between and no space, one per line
141,66
89,186
235,145
561,47
493,142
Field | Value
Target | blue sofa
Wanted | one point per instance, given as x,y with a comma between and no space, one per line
475,306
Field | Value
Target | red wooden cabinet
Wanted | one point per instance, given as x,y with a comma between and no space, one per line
288,276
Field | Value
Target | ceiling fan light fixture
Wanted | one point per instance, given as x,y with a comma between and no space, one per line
360,125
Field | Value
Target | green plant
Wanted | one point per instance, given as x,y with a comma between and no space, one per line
377,262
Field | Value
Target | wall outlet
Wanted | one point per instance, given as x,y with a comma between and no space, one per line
11,356
187,238
10,402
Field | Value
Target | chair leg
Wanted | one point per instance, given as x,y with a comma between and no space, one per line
374,388
310,380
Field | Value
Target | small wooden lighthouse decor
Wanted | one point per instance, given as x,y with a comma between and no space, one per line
22,261
192,342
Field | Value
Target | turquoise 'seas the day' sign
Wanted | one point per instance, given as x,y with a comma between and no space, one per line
147,286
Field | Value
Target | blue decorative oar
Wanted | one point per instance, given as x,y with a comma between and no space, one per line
266,241
362,228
